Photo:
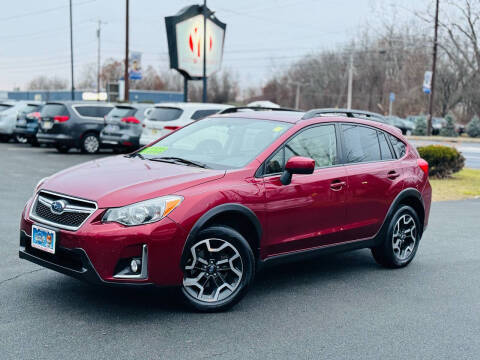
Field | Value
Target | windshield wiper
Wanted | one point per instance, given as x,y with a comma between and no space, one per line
174,159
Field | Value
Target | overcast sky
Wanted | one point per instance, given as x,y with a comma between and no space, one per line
262,36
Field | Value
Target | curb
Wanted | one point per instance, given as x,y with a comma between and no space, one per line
445,139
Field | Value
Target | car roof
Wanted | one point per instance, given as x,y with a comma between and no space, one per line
295,117
190,105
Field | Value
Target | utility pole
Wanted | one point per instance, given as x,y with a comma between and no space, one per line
204,97
99,29
434,66
71,53
350,82
125,75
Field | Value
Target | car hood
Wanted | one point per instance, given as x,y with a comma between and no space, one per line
118,180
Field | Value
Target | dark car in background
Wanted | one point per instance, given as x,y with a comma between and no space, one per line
123,126
406,126
26,127
67,124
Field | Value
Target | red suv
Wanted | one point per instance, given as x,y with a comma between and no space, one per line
208,205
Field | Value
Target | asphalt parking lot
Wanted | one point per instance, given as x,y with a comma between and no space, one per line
334,307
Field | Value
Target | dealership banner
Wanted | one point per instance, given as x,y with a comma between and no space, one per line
185,34
135,65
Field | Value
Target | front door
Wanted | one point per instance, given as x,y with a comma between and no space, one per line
310,211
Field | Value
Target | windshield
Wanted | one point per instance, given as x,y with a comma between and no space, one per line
164,114
219,143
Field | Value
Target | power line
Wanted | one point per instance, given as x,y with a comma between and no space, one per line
38,12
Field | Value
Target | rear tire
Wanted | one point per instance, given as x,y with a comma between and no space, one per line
401,240
90,143
218,271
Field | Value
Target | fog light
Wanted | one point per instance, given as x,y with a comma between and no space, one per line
135,265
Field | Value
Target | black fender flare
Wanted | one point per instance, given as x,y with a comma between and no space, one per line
405,193
229,207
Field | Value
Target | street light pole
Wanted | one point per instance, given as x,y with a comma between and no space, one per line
204,97
99,29
434,66
71,53
350,83
125,74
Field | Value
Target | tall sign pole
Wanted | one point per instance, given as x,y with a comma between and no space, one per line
204,51
99,29
434,66
125,74
71,53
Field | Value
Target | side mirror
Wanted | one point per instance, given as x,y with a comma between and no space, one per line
297,165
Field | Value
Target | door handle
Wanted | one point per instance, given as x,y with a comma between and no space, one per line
337,185
392,175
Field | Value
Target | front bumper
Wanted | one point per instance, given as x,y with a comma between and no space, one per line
71,262
94,252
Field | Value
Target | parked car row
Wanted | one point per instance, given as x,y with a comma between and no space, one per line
89,126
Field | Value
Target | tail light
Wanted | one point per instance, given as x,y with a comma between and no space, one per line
60,118
130,120
173,128
423,165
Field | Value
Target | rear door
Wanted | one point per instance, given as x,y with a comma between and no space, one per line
374,179
91,117
310,211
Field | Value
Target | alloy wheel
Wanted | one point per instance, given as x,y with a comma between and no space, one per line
91,144
21,139
404,237
214,270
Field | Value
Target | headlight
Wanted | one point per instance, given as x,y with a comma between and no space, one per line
144,212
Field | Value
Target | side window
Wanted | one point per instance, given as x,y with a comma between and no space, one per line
384,148
87,111
398,146
361,144
318,143
276,163
200,114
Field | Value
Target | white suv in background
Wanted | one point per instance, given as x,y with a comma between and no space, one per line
10,112
167,117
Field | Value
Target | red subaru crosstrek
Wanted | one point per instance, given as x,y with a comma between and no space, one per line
208,205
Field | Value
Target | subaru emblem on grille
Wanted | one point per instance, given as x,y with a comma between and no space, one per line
58,206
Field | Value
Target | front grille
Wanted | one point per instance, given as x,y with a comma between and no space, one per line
75,211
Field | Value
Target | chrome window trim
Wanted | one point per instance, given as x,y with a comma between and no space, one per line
32,216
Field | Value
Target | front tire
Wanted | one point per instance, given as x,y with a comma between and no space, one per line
219,269
90,143
401,240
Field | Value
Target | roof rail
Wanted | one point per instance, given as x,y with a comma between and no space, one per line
346,112
252,108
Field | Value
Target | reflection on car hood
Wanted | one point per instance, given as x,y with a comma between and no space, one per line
118,181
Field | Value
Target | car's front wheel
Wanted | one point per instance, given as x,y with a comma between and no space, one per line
401,241
219,268
21,139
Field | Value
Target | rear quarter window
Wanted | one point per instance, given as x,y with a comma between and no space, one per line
93,111
398,146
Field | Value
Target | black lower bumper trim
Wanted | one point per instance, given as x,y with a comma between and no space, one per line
71,262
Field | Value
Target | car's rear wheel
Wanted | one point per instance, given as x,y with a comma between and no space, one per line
219,269
90,143
62,149
21,139
401,241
